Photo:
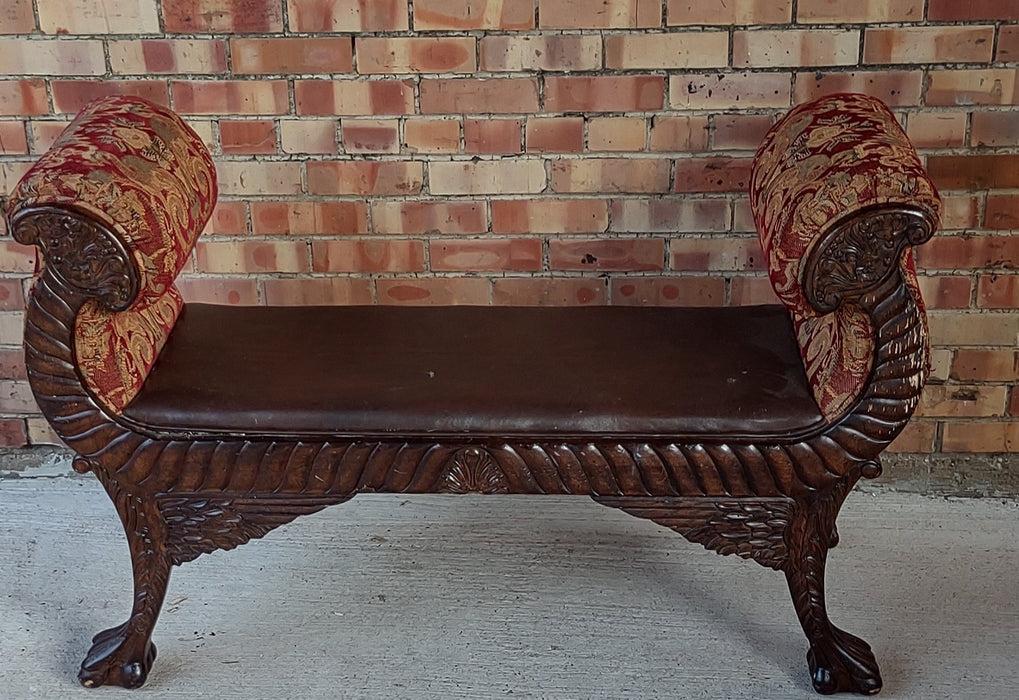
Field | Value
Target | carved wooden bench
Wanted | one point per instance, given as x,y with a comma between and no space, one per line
740,428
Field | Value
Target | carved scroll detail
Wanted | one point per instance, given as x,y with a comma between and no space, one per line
472,470
750,528
860,253
83,254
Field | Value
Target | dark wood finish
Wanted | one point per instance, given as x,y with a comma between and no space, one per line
774,500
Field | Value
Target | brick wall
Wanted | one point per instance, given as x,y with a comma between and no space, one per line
518,151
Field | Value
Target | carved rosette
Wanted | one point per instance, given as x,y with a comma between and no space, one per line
472,470
858,254
82,254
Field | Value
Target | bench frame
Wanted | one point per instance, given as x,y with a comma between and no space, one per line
683,483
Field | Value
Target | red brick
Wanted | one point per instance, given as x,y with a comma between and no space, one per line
486,177
937,129
549,216
548,291
954,87
669,215
23,97
717,91
231,97
309,218
72,57
12,432
15,397
370,135
249,136
955,11
146,56
17,17
308,136
974,172
857,12
12,297
1002,211
668,291
675,49
292,55
739,131
616,134
258,177
347,15
625,254
483,255
713,174
969,252
416,55
479,95
15,257
368,256
894,88
555,134
69,96
228,16
1008,44
441,291
708,254
946,291
432,135
492,136
354,97
751,291
228,218
795,48
251,256
238,291
994,128
318,291
599,14
998,292
679,133
473,14
916,437
726,12
12,363
980,437
365,177
928,44
976,365
428,217
629,93
13,139
610,175
543,52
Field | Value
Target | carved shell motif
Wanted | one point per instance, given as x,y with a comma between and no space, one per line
472,470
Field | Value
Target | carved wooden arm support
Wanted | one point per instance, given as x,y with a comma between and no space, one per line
839,195
115,207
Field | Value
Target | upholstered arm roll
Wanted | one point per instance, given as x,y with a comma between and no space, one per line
115,207
839,195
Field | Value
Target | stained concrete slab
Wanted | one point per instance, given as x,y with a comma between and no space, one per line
484,597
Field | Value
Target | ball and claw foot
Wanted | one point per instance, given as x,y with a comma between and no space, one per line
845,664
114,659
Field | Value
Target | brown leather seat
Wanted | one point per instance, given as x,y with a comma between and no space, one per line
480,371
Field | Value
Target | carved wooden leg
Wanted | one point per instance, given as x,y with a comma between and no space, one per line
838,661
124,654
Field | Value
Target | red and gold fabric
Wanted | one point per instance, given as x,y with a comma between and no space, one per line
824,161
138,169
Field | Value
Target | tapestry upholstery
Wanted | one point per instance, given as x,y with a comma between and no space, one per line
825,160
139,170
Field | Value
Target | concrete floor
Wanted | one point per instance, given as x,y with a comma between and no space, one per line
482,597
